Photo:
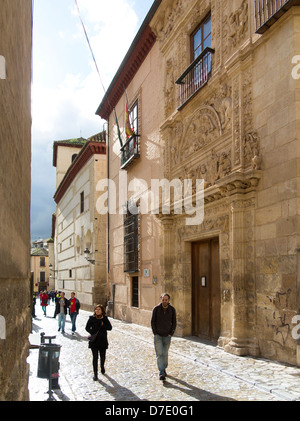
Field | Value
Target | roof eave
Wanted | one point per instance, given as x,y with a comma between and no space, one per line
138,51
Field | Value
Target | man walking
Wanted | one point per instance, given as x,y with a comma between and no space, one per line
61,309
163,324
74,310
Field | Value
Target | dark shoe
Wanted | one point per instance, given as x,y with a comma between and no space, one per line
95,377
103,370
162,377
58,329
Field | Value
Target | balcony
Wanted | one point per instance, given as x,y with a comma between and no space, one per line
267,12
130,151
195,77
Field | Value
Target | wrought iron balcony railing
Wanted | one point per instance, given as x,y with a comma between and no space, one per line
130,151
267,12
195,76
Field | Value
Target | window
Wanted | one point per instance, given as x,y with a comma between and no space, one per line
199,71
201,38
70,273
82,202
133,118
135,291
131,242
42,261
42,277
131,149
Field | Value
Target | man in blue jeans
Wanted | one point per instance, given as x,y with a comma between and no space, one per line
61,308
163,324
74,310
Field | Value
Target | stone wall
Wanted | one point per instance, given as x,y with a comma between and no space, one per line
15,150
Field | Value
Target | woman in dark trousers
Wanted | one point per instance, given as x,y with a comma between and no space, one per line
98,324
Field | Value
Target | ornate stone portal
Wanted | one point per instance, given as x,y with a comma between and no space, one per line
212,138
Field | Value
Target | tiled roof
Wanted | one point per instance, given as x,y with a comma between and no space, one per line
39,251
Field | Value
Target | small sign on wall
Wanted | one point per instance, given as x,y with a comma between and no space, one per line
2,68
2,328
146,273
203,281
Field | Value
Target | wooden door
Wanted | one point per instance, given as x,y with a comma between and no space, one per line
206,296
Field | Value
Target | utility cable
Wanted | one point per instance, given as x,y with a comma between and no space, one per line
89,44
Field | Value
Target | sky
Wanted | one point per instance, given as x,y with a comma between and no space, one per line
66,88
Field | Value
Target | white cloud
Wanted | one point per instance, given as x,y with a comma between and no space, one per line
68,109
111,27
66,88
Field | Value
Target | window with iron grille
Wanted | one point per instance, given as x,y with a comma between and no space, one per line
135,291
131,242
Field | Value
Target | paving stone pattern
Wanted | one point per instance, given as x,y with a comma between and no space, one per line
197,371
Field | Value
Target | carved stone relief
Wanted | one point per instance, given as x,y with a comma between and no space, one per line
170,87
252,150
235,27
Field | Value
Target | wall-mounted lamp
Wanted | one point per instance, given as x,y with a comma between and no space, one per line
50,268
87,256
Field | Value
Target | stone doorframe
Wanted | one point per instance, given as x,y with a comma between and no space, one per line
230,215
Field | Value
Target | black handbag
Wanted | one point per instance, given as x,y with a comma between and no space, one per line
92,338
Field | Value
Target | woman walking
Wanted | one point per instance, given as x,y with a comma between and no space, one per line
97,326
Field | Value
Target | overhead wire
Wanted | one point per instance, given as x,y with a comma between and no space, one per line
89,44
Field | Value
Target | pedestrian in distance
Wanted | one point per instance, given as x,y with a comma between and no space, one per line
163,324
56,298
74,310
97,326
44,302
61,310
33,304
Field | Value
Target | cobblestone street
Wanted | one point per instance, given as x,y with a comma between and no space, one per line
196,372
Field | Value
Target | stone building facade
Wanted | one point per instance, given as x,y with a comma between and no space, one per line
15,157
219,103
40,272
235,275
134,275
80,166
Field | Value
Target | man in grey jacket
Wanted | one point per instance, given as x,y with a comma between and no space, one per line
163,323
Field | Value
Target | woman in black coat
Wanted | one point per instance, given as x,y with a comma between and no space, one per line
98,324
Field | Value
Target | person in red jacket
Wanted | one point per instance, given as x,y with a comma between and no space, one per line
74,310
44,301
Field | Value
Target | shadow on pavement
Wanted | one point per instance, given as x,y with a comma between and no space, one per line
118,392
194,392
